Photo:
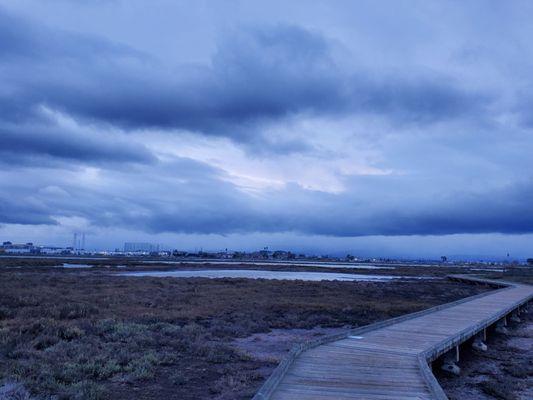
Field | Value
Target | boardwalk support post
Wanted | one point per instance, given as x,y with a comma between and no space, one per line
478,343
515,318
450,360
501,326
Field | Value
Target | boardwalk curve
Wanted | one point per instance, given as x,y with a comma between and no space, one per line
391,359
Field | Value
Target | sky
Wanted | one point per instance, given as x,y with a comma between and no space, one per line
377,128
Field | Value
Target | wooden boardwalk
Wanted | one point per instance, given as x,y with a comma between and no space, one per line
389,360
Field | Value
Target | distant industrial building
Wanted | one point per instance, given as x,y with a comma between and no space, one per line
7,248
140,247
78,242
13,248
51,250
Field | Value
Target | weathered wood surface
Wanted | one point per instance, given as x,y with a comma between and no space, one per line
389,360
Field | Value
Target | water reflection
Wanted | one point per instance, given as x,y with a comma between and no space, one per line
256,274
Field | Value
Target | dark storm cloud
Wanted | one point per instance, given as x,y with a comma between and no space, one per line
29,135
186,196
21,40
257,76
420,99
23,144
523,108
505,211
403,209
15,211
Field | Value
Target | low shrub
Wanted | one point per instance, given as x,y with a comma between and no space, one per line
143,368
86,390
498,390
44,341
73,311
6,313
12,390
69,333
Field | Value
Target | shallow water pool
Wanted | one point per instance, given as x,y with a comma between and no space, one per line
257,274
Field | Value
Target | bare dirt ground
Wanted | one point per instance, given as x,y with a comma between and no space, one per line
67,334
274,345
505,371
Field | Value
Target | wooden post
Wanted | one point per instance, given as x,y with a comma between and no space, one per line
478,343
449,362
501,326
515,318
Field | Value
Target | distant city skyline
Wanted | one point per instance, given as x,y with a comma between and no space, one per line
496,247
368,127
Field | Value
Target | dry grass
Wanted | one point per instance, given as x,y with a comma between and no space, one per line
81,335
516,274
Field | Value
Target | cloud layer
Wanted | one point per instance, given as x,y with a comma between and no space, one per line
285,125
256,76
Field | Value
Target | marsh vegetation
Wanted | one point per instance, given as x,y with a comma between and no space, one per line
91,335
